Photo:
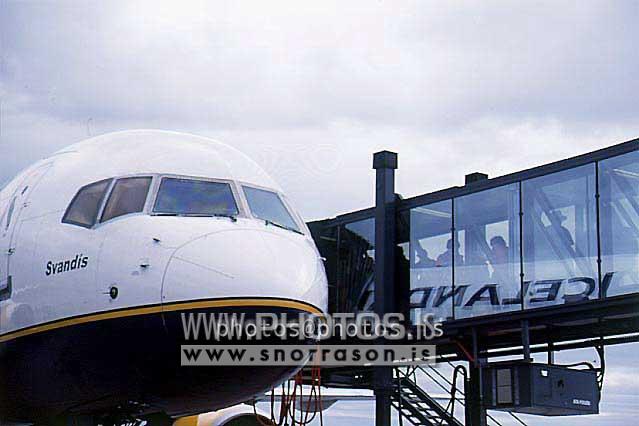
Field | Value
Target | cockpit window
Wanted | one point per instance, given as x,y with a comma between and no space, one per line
191,197
267,205
10,213
127,196
84,207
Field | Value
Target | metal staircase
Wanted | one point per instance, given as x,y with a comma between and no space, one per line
417,406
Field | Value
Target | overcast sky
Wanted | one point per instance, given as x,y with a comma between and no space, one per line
311,89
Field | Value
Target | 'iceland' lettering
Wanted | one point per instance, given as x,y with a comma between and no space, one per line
542,291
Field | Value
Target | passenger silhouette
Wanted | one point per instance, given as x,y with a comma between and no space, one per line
424,260
446,258
564,234
499,250
499,262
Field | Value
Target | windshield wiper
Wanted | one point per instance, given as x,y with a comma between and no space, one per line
279,225
230,216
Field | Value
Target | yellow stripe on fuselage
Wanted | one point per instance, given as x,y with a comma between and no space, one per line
187,421
170,307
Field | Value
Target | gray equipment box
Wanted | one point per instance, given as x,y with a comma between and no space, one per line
542,389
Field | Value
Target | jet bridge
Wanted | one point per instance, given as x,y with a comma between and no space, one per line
541,260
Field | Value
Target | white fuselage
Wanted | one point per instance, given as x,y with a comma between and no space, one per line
52,271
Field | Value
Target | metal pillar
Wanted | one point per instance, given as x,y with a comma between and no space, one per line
475,411
525,337
384,163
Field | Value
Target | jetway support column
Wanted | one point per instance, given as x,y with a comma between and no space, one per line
475,411
384,163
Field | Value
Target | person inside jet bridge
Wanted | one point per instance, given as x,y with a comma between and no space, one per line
424,261
499,250
446,258
557,226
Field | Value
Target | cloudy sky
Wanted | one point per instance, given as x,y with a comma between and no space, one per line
312,89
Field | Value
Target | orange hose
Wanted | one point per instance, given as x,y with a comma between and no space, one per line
289,401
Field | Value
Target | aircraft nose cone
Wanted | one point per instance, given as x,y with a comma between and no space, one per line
246,263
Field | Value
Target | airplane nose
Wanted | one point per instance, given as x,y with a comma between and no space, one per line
246,263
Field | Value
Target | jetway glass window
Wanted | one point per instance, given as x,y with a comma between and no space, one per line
560,238
431,269
356,268
619,224
486,252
